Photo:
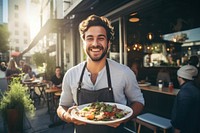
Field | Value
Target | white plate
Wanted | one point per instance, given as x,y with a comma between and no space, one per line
120,106
145,84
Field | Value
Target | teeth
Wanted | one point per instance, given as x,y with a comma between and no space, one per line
95,50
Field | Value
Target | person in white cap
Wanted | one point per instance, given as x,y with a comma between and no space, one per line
186,109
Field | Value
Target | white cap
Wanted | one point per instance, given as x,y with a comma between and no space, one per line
187,72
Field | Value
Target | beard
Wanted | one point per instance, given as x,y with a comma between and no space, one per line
105,50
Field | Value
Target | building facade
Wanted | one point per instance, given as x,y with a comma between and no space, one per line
18,25
134,40
1,11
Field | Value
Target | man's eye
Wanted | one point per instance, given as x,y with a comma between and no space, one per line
89,39
101,39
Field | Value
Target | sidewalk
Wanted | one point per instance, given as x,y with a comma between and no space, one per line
40,123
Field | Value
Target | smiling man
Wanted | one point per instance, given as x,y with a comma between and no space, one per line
98,79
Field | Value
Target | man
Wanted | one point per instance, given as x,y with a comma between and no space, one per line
57,78
3,66
194,61
98,78
186,110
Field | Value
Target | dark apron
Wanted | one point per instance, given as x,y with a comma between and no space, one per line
103,95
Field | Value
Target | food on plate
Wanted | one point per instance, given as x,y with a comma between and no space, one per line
142,82
100,111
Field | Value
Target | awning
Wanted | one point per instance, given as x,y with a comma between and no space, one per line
15,54
51,26
188,44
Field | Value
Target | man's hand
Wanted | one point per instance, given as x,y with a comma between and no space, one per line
67,115
115,125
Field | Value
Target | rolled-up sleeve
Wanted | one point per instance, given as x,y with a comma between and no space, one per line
132,90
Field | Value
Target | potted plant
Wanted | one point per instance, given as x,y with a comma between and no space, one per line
13,105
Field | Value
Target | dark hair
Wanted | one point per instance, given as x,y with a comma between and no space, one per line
58,67
94,20
194,60
26,68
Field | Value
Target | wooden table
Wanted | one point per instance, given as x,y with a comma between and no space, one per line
52,103
50,97
159,101
164,90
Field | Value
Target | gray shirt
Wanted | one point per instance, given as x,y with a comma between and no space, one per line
123,80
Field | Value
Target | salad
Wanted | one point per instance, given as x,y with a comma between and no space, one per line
100,111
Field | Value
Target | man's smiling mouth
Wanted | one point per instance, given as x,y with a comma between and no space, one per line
96,49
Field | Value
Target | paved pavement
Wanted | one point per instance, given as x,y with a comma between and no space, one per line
41,123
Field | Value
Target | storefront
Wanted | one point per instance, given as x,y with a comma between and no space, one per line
142,30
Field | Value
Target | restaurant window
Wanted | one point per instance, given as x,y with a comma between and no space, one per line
16,32
16,48
25,33
16,7
163,38
114,48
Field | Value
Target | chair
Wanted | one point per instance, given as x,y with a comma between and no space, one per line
153,122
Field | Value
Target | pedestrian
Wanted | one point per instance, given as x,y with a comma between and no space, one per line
186,109
98,78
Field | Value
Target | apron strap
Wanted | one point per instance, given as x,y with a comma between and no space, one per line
108,76
81,78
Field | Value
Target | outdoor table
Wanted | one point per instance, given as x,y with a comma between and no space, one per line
32,85
52,103
50,94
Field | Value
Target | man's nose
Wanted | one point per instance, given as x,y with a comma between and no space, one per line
95,42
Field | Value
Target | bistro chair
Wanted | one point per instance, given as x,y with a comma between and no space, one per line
153,122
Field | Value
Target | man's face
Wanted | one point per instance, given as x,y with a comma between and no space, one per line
58,71
95,43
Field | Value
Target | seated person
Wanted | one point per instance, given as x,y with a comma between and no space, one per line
57,78
135,68
31,73
12,70
185,112
163,75
194,61
2,70
26,70
3,66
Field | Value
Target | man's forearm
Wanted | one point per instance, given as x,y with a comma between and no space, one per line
137,108
62,112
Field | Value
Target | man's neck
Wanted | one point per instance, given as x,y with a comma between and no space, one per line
94,67
58,75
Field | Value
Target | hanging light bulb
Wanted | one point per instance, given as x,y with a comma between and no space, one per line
134,18
150,36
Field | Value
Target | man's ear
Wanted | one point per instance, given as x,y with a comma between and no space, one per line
109,44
